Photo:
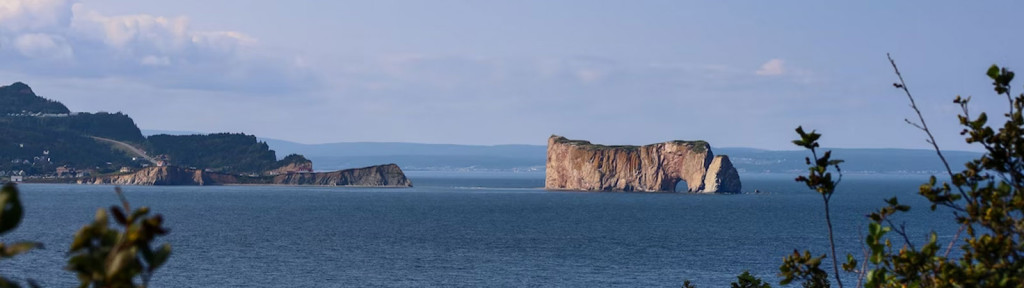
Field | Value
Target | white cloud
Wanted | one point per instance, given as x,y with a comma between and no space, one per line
155,50
223,41
43,46
131,31
774,67
33,14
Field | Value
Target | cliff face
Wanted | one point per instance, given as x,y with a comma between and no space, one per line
389,175
164,175
722,176
580,165
300,167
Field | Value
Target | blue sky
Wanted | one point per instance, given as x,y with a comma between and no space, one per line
735,73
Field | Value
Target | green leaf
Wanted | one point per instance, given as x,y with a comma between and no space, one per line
147,253
993,72
161,255
119,263
139,212
872,278
10,208
815,261
101,217
118,215
20,247
81,238
7,283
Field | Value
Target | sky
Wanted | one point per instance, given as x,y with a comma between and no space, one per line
734,73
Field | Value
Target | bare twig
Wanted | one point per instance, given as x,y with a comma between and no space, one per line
924,126
955,237
864,264
914,124
832,245
902,231
1009,98
124,201
828,221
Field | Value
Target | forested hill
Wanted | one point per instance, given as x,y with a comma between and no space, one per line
222,152
18,98
38,135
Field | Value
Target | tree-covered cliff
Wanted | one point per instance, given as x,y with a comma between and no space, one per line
37,135
117,126
29,146
18,98
222,152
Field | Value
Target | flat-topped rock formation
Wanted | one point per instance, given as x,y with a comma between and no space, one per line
298,167
389,175
162,175
581,165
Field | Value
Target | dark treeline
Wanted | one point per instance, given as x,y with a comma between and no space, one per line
18,98
222,152
27,145
42,134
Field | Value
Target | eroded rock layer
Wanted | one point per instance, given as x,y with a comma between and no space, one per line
163,175
389,175
722,176
581,165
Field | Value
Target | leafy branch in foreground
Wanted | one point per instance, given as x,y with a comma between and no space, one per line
746,280
105,257
819,178
988,205
11,213
985,199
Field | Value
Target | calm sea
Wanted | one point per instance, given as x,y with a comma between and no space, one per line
468,230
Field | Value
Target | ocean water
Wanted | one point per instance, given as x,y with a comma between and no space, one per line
469,230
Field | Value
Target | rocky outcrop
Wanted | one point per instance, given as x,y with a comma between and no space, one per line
298,167
580,165
722,176
389,175
162,175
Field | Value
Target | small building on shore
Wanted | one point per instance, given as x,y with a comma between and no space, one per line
65,171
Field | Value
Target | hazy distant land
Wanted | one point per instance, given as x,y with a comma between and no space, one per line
531,158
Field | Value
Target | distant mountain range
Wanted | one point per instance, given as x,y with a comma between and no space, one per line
857,160
525,158
413,156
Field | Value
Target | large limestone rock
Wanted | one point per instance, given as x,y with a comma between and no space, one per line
722,176
580,165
